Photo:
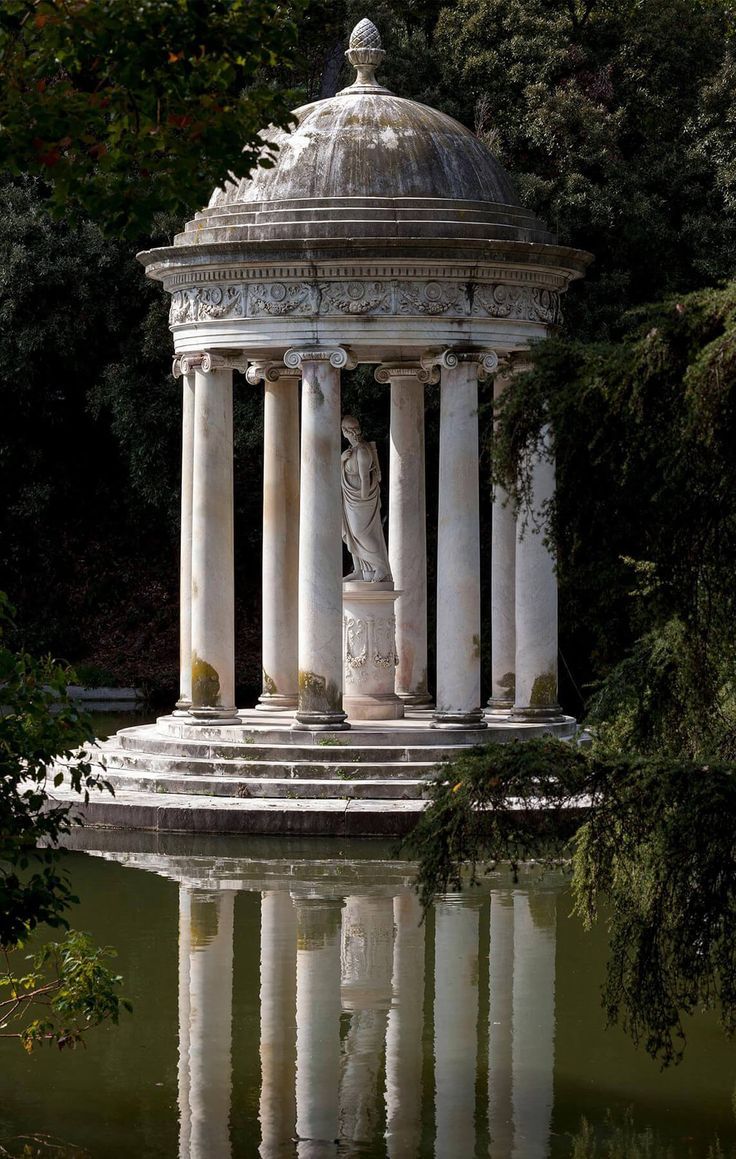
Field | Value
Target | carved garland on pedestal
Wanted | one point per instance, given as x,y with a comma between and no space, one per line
369,641
520,303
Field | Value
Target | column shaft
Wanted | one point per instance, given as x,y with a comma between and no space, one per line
320,548
185,559
503,586
456,1004
458,552
536,600
277,1111
213,613
280,543
317,1027
407,535
210,1024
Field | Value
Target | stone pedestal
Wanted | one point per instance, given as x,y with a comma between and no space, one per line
369,633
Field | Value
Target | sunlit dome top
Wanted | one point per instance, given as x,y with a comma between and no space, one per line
368,164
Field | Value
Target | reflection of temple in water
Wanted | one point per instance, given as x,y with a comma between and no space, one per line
379,1034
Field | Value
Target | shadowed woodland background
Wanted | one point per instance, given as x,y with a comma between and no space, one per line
617,122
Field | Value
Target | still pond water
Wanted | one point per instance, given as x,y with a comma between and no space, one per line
287,1003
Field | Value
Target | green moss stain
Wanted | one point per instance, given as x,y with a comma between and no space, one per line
544,691
269,684
508,683
205,683
317,694
476,646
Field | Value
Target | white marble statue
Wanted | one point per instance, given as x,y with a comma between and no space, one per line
362,531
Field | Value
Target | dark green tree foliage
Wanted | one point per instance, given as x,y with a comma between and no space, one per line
64,988
88,442
38,726
616,120
135,107
645,516
653,852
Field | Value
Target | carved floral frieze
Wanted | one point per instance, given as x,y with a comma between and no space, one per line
365,298
521,303
370,643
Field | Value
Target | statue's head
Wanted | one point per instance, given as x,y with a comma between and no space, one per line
351,429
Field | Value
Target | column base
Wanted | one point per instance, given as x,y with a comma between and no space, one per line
213,715
465,720
320,722
498,706
182,706
373,706
535,715
415,699
275,702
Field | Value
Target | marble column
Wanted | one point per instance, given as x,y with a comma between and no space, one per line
277,1111
184,702
407,524
503,589
536,597
404,1056
185,951
366,956
204,1126
320,541
280,563
317,1027
457,927
500,1025
458,543
213,597
533,1048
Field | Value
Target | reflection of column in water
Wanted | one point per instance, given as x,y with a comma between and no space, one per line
185,906
317,1026
404,1033
210,1024
534,1022
278,1022
500,1030
455,1026
367,943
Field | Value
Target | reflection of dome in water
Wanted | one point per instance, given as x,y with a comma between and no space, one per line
368,164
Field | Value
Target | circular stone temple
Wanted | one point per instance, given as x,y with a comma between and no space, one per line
385,233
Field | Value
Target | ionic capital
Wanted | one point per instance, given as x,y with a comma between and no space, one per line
205,361
388,371
264,370
337,356
485,361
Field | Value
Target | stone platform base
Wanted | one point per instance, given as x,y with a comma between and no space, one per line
260,777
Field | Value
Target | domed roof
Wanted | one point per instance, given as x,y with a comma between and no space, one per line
368,164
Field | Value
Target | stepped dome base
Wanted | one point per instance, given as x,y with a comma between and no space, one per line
261,777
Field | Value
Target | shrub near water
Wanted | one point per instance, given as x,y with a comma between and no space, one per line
657,844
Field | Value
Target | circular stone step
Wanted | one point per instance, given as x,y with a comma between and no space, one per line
261,777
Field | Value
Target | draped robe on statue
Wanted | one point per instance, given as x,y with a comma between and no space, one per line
362,531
